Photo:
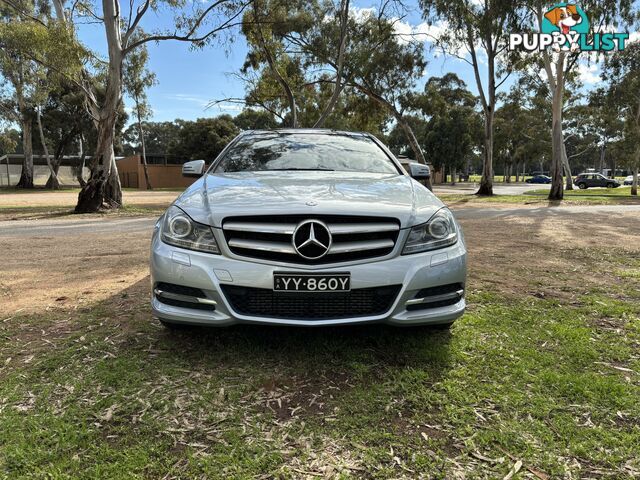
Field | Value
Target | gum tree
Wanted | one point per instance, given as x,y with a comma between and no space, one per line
559,68
137,80
197,24
622,74
476,33
34,55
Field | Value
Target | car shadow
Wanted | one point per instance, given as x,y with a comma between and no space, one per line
300,349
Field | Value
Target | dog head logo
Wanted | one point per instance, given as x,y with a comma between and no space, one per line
565,18
565,27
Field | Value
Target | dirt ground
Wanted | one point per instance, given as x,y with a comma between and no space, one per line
508,254
68,198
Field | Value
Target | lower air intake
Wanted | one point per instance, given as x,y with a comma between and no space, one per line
262,302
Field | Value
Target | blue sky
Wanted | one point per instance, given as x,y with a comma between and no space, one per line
189,79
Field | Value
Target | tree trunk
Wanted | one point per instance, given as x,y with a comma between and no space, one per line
634,184
143,147
517,172
566,167
413,141
26,177
104,186
51,184
613,167
291,99
339,86
557,138
603,150
488,105
452,169
53,175
486,182
80,167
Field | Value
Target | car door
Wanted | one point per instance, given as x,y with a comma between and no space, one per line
592,181
601,181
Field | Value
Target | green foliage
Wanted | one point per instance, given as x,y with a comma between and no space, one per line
448,125
622,74
9,141
160,137
521,130
250,119
205,138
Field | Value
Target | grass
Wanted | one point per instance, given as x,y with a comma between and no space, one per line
107,393
500,178
37,189
23,212
590,192
537,199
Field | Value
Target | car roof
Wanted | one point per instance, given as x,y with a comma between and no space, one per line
306,131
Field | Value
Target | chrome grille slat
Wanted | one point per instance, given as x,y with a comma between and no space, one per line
347,247
337,229
280,228
269,237
278,247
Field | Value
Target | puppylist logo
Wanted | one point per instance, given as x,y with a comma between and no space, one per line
566,27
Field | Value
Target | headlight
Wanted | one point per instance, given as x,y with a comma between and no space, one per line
439,232
179,230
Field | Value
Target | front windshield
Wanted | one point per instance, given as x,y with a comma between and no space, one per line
306,151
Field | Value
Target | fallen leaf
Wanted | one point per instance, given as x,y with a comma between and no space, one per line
515,469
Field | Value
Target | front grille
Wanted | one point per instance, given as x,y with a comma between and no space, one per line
262,302
270,237
440,296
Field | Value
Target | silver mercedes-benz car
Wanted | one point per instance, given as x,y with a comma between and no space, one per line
309,228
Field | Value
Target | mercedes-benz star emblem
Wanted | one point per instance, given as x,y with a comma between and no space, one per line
311,239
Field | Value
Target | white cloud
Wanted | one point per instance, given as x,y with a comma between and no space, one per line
589,73
361,13
187,98
634,37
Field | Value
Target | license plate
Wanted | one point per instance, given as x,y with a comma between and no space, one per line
312,282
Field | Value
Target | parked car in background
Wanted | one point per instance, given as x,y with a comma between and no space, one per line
586,180
628,180
539,179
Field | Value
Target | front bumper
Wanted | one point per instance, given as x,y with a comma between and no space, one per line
174,265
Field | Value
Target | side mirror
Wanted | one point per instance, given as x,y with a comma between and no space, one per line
419,171
194,168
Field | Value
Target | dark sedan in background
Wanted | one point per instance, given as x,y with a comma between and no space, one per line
539,179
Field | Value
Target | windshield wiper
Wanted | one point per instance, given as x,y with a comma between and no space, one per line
303,169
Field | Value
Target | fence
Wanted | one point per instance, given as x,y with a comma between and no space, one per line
11,170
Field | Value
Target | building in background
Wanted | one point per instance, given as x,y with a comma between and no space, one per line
165,171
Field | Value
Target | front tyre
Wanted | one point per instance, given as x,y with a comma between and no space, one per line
582,186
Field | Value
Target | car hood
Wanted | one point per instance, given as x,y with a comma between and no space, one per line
214,197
